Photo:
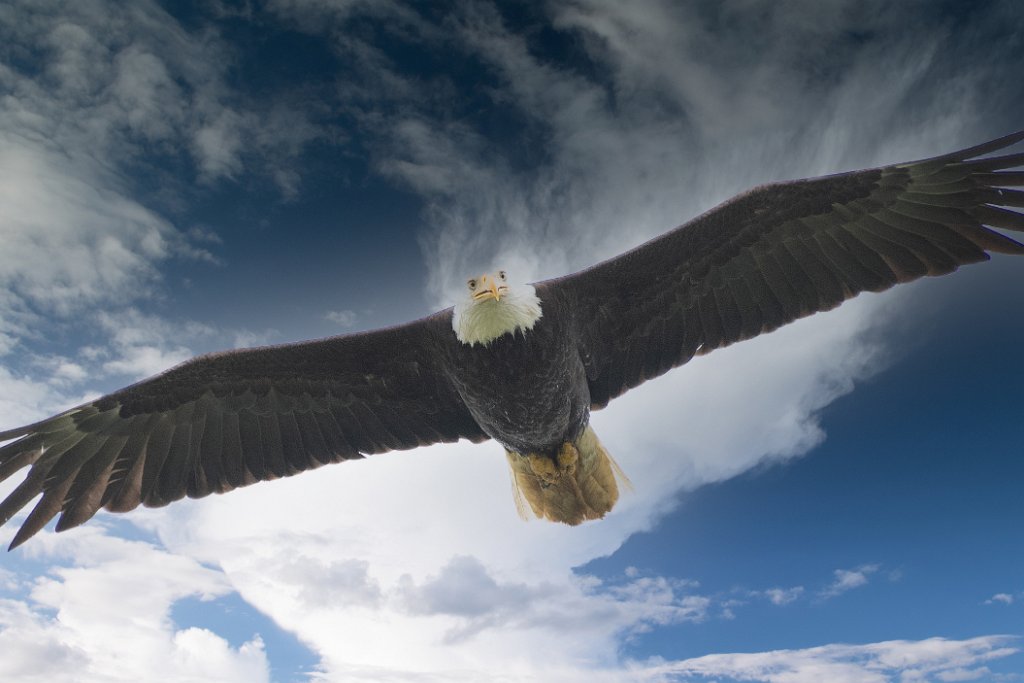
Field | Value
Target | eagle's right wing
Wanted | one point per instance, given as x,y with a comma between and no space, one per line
230,419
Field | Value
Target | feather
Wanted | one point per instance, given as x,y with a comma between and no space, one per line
157,451
272,447
209,457
293,449
232,459
125,483
171,480
86,493
1000,179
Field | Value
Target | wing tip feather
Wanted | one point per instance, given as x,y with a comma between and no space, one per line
984,148
19,538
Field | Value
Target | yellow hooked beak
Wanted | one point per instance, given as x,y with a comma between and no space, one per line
488,289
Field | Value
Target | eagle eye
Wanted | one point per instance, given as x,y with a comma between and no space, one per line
471,283
501,274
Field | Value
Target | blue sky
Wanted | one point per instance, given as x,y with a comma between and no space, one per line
838,500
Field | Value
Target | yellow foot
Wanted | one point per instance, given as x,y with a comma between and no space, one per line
550,470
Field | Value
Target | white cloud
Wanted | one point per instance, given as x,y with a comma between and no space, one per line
783,596
143,361
24,399
871,663
113,94
67,245
248,338
32,652
476,604
848,579
7,341
344,319
218,146
62,372
143,345
8,580
965,674
102,612
70,371
1004,598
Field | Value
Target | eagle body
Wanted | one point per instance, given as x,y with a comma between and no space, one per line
522,379
526,389
522,364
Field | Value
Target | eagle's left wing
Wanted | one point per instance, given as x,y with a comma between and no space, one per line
784,251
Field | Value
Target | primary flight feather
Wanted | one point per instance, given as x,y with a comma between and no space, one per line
522,364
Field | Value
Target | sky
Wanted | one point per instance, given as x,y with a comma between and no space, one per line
838,500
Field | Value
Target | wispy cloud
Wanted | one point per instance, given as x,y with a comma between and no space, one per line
113,96
783,596
8,580
249,338
24,399
848,579
1001,598
143,345
946,660
688,106
344,319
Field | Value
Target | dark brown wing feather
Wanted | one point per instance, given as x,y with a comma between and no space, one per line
784,251
231,419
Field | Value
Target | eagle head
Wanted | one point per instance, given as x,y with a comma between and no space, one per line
493,307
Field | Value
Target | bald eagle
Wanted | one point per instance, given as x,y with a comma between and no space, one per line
519,363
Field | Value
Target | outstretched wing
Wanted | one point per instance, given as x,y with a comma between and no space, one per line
784,251
230,419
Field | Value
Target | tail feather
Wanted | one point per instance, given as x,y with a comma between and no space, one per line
517,492
578,483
